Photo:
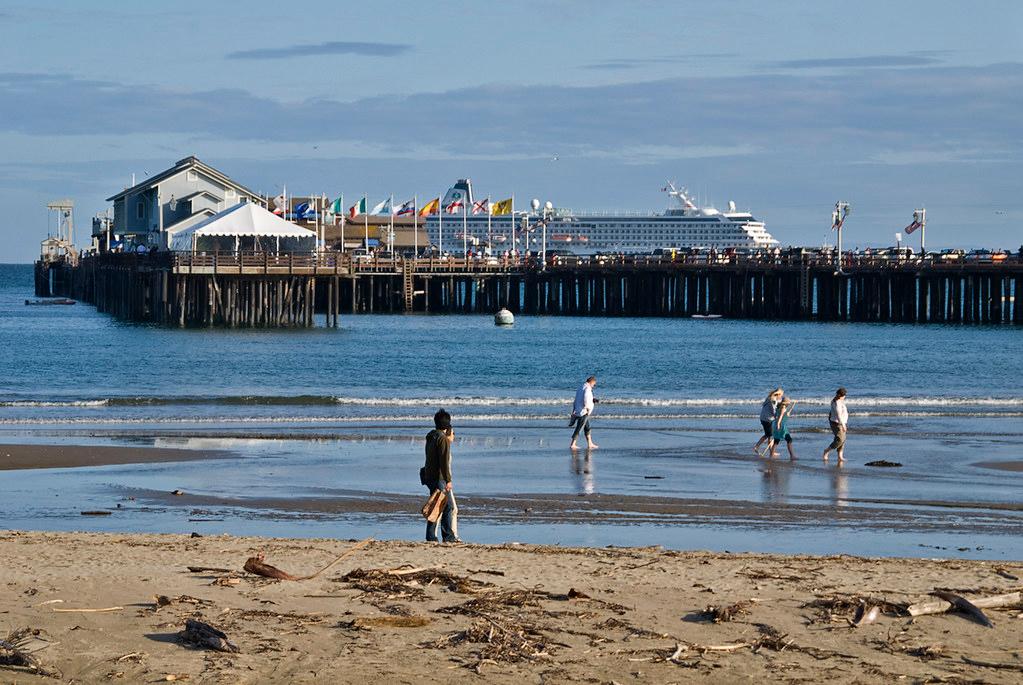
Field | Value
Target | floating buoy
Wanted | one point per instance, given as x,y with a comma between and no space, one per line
504,318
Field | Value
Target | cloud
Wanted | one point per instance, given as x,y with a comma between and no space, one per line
921,59
637,62
331,48
880,115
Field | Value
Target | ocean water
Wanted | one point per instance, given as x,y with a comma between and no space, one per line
678,396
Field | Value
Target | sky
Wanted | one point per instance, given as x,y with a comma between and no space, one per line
783,107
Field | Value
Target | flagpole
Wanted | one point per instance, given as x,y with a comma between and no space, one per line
465,228
365,219
342,223
490,238
512,223
415,227
390,234
440,228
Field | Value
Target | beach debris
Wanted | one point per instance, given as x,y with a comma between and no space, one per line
400,582
256,566
850,608
883,463
209,569
723,614
88,611
177,493
226,581
205,636
971,608
369,622
942,605
172,677
50,601
488,572
865,615
501,641
577,594
992,664
1005,574
16,651
97,512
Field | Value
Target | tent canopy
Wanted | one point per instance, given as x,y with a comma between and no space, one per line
246,224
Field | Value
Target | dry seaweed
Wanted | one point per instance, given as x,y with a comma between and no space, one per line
500,642
410,582
844,607
14,653
368,622
723,614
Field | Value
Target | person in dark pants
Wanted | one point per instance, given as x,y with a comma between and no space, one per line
582,408
437,476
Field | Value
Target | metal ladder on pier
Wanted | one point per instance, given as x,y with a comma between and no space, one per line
408,282
805,304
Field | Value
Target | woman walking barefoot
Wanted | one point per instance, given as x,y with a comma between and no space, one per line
781,430
838,418
767,412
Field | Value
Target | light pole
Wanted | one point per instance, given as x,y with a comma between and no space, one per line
838,216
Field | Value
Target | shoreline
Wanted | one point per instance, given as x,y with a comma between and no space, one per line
401,611
21,457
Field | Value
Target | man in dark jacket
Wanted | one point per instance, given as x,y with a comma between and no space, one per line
437,476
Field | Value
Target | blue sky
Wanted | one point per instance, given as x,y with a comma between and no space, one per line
783,107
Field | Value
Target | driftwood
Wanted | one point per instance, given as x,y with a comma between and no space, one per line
966,606
865,615
940,606
993,664
87,611
209,569
255,565
206,636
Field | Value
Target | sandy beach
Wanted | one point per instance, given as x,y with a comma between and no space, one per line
109,607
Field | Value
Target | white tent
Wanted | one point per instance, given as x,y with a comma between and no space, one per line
245,226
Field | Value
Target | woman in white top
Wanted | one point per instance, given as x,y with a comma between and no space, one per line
838,418
767,412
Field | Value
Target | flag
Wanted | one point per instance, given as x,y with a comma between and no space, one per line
301,210
431,207
455,206
836,221
913,226
406,208
336,206
502,207
481,207
358,208
381,208
279,204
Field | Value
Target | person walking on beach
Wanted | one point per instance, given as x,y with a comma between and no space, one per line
437,476
838,417
780,429
767,412
582,409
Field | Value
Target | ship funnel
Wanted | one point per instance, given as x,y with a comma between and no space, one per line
460,194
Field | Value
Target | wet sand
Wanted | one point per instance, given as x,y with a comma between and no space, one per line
14,457
1014,466
513,613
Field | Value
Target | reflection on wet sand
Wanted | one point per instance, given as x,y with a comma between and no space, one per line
839,485
582,468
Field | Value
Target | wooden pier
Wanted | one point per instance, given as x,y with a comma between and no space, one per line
301,290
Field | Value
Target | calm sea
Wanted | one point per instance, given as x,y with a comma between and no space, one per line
950,395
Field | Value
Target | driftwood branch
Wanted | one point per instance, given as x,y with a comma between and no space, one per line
255,565
204,635
942,605
966,606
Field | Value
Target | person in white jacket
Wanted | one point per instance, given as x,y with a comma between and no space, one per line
582,408
838,417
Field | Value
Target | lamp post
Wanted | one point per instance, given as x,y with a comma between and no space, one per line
838,216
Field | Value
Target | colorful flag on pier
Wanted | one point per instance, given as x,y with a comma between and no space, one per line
301,209
913,226
502,207
337,206
279,204
431,207
358,208
481,207
382,208
455,206
836,221
406,208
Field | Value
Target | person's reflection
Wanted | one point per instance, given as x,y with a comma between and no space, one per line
839,486
775,481
582,467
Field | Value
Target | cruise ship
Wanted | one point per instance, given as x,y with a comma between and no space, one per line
682,225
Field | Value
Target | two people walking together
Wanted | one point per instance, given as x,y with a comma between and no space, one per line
774,415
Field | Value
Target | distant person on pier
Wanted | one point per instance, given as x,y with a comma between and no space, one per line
838,417
582,410
436,475
768,409
780,429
